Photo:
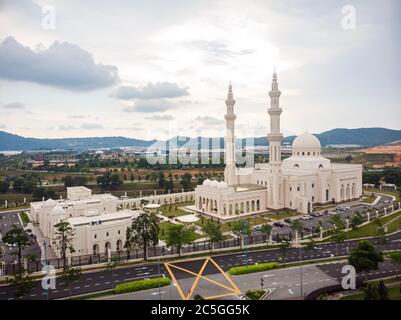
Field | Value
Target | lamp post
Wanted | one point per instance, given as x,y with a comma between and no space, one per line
158,271
300,271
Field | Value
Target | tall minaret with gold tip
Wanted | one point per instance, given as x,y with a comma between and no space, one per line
275,136
230,174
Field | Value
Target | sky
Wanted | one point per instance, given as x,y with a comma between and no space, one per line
157,69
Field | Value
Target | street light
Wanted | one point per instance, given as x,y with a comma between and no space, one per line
300,270
158,271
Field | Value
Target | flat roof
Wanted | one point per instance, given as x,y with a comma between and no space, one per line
105,217
248,187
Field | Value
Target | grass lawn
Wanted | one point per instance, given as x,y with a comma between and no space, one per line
368,199
163,231
24,217
281,215
391,193
371,228
174,210
394,294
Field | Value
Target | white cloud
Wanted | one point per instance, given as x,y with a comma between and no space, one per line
14,106
156,90
63,65
145,106
158,117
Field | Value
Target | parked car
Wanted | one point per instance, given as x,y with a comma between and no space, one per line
288,220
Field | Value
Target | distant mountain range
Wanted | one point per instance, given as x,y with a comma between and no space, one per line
365,137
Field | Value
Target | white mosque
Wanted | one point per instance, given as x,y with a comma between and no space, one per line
297,183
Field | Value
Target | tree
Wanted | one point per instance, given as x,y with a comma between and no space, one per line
63,238
395,258
297,226
70,275
18,183
142,232
213,232
17,236
104,180
339,225
348,158
169,185
371,291
356,220
4,186
266,229
178,235
162,179
23,283
284,246
380,232
186,181
115,180
383,291
42,192
68,181
111,265
242,228
364,257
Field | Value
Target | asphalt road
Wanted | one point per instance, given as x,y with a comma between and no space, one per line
105,280
7,219
283,283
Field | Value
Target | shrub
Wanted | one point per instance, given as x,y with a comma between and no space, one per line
253,268
141,285
255,294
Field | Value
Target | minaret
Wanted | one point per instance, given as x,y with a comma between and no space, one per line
275,194
230,171
275,136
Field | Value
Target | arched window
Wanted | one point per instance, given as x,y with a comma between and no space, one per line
303,153
296,165
320,166
327,194
107,246
308,153
119,245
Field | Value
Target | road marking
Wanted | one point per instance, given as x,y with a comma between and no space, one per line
87,286
97,284
290,291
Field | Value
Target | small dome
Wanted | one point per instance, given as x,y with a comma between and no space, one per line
50,202
214,183
58,210
222,185
207,182
306,145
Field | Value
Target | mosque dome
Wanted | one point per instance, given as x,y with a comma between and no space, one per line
222,185
306,145
214,183
207,182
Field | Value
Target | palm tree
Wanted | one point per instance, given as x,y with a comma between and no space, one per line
266,229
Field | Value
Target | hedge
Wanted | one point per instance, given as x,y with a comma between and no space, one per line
141,285
235,271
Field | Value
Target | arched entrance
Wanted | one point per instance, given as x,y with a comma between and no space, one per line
119,245
95,249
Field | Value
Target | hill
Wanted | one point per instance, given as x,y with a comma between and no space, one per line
366,137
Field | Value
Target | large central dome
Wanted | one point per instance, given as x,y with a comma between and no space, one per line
306,145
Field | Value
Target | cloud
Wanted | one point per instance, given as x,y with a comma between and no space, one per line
91,126
79,116
14,105
157,90
66,127
158,117
62,65
210,121
158,105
